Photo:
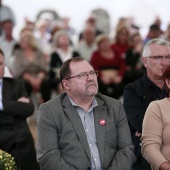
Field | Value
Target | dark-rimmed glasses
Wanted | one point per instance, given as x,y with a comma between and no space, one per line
160,58
84,75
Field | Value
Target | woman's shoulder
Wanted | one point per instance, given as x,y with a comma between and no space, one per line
159,105
18,52
161,102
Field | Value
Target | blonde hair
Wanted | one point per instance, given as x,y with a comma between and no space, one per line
31,39
100,38
56,37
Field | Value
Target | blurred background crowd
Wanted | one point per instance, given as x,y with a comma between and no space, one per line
37,37
36,51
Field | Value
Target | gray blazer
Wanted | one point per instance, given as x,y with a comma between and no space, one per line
62,142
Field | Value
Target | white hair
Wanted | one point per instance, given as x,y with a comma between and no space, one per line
56,37
158,41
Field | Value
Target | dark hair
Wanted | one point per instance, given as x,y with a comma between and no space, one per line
166,75
131,37
7,21
65,71
154,27
1,52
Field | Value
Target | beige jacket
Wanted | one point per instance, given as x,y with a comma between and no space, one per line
156,133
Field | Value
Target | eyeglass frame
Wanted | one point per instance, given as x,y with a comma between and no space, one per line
85,74
159,57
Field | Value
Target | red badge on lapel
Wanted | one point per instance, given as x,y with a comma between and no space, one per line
102,122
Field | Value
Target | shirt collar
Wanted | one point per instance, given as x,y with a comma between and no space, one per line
94,103
148,83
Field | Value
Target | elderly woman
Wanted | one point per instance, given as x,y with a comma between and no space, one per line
156,134
63,51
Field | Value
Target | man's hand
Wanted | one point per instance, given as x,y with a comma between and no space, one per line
165,166
138,134
24,100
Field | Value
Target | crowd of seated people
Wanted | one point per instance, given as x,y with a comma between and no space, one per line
37,55
50,50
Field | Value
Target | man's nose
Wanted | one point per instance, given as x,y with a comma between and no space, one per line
164,61
90,76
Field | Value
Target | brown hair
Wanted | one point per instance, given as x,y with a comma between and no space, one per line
7,21
1,52
166,75
65,71
119,30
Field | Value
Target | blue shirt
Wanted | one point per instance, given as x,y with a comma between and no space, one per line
87,119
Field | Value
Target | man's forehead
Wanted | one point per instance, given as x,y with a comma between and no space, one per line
153,46
80,66
162,49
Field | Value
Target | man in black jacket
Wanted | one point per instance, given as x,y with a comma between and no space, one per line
15,107
138,95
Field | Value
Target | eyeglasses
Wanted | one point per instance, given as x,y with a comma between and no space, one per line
84,75
160,58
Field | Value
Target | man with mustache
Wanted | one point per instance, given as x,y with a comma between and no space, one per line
82,129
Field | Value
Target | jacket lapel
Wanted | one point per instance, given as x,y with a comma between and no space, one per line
77,124
100,114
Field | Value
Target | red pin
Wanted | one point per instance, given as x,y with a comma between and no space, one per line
102,122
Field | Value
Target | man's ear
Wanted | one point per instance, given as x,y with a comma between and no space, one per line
144,60
66,84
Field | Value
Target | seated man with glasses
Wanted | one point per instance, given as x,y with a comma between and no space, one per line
138,95
82,129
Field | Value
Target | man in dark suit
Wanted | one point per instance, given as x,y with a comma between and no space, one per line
138,95
15,107
80,129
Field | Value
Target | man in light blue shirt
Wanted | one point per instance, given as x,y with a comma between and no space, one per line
87,120
82,129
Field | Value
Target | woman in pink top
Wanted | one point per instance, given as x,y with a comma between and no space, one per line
156,130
